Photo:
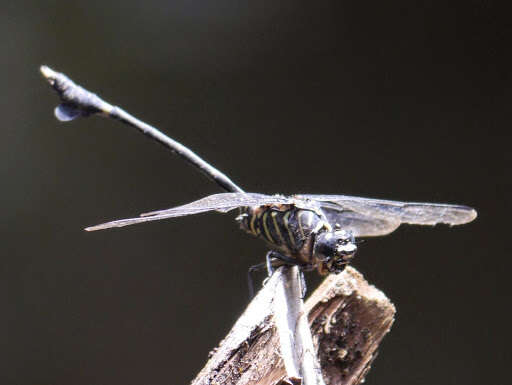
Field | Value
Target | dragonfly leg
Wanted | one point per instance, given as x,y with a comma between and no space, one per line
274,259
250,281
292,262
287,260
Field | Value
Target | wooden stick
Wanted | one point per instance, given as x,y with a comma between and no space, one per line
348,319
291,323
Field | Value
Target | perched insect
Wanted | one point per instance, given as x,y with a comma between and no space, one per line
312,231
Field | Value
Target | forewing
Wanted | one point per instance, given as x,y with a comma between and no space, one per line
415,213
223,202
360,225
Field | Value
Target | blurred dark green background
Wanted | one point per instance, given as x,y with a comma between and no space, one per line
397,99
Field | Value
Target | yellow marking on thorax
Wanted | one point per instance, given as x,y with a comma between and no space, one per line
276,225
265,227
252,223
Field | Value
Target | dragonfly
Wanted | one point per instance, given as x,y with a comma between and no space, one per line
315,232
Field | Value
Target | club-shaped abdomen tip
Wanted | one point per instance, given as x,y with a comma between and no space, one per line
66,112
47,71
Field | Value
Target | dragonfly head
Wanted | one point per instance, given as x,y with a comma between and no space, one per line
334,250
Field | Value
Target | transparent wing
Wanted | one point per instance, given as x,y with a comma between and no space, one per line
360,225
379,217
218,202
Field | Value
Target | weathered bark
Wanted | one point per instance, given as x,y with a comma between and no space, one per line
348,319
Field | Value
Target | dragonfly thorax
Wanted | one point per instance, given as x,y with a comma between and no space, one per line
301,234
